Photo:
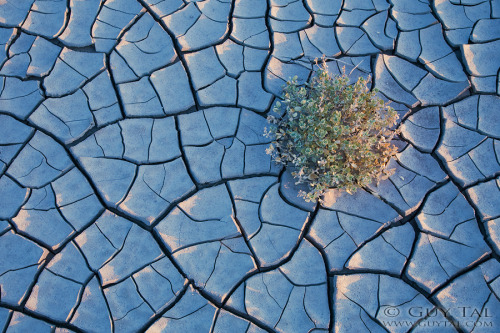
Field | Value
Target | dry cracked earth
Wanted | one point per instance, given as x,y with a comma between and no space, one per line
136,194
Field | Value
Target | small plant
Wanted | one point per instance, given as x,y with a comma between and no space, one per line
335,135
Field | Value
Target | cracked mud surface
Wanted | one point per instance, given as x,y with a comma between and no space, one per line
136,194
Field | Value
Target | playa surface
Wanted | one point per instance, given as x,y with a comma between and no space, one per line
136,193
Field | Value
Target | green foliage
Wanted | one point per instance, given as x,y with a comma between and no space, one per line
333,134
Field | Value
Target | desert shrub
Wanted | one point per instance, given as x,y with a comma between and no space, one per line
333,134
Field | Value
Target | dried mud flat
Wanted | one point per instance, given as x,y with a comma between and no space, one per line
136,194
